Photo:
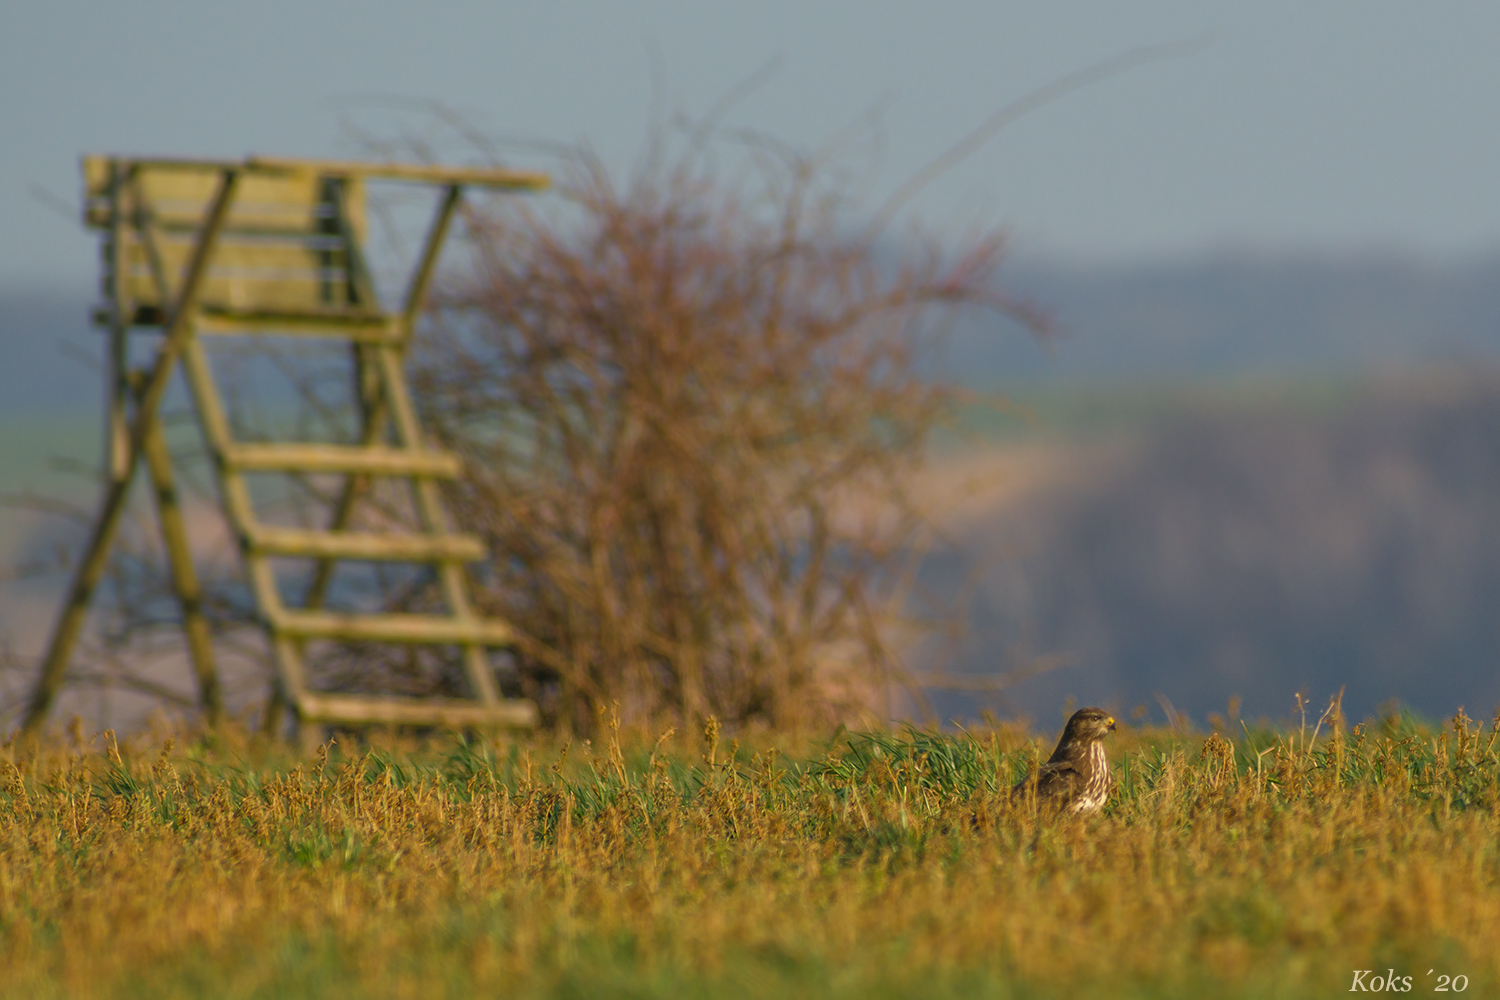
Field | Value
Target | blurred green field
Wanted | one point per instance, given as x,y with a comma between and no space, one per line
1086,409
863,865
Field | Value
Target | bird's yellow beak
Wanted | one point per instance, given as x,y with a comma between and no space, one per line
1110,722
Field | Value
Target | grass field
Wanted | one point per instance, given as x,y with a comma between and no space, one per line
867,865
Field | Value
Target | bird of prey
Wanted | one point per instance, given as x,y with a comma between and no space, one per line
1076,778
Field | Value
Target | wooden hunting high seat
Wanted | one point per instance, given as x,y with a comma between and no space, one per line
195,249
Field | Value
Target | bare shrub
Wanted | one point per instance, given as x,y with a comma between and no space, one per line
692,413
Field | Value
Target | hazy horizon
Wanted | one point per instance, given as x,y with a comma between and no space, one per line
1219,316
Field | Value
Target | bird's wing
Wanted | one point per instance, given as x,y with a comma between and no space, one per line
1057,777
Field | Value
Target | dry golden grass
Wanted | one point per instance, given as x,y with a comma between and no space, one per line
869,865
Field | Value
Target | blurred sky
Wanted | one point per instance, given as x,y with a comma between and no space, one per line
1315,124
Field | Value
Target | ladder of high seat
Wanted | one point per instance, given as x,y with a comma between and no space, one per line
433,544
377,342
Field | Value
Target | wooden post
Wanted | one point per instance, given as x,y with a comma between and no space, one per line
117,371
184,577
96,556
416,292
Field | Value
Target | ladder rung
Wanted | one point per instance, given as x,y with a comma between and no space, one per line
365,545
391,628
342,458
403,711
351,324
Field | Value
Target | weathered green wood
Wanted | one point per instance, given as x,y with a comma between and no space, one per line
354,325
280,247
181,191
121,308
96,554
288,686
345,225
286,277
376,461
421,279
276,181
184,576
452,714
391,627
336,544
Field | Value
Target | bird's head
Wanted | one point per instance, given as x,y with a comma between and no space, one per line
1089,724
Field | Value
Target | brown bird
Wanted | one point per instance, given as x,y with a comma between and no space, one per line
1076,778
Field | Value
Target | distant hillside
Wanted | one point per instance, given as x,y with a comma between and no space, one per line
1231,314
1252,549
